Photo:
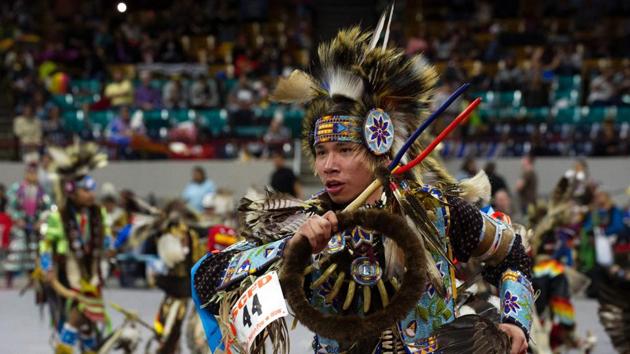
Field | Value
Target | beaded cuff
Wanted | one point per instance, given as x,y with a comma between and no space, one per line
517,300
251,261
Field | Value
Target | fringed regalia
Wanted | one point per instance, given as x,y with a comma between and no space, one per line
385,283
71,252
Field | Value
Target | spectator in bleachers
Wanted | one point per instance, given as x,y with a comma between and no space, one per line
53,130
602,90
535,91
277,134
621,80
607,142
147,97
171,50
121,131
20,68
86,132
28,130
242,94
204,93
241,102
119,91
509,77
199,187
479,80
41,104
174,93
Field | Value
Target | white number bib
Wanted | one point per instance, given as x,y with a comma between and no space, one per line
261,304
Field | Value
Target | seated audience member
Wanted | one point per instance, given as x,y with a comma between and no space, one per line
28,130
204,93
602,90
174,94
277,134
120,90
147,97
121,131
53,129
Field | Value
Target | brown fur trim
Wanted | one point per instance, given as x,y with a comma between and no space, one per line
352,328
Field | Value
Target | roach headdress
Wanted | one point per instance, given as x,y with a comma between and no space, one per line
72,166
362,92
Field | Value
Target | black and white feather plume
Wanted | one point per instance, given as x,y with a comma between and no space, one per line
472,334
276,216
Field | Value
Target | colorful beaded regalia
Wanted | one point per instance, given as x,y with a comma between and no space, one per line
75,241
554,275
385,283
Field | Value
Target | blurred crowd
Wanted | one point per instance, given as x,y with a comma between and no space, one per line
26,204
80,73
554,78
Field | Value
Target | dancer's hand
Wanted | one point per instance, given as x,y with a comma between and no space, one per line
317,230
517,338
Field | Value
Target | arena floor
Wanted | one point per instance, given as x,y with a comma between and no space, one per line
24,331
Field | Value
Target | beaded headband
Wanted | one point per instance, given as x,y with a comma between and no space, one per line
376,131
338,128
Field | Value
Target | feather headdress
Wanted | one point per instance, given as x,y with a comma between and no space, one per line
74,163
77,160
355,75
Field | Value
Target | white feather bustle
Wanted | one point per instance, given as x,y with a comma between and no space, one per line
344,83
170,250
476,188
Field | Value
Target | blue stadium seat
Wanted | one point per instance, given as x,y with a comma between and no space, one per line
72,121
182,115
256,131
89,87
537,114
570,115
293,121
594,115
487,97
101,119
214,119
509,99
572,97
623,114
567,83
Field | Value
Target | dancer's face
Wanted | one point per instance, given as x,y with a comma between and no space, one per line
84,197
343,169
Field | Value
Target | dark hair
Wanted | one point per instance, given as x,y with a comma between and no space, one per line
490,167
201,170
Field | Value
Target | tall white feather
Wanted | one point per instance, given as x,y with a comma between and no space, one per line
378,30
344,83
389,24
